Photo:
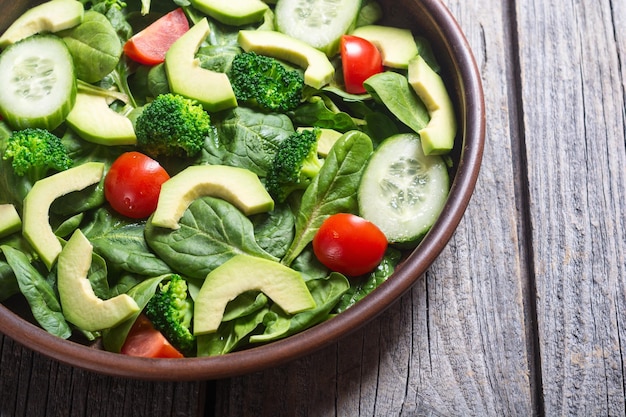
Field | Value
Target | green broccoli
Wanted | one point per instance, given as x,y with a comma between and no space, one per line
172,125
170,310
35,152
265,82
295,164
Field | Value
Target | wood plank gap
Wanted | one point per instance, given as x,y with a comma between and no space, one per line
522,196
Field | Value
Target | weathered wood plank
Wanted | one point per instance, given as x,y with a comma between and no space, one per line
457,343
572,77
33,385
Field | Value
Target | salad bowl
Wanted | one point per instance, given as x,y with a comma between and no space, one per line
428,18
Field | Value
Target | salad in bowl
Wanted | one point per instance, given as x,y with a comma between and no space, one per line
201,179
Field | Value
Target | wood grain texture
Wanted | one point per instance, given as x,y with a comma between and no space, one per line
33,385
572,78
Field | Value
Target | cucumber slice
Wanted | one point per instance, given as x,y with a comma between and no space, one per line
320,23
37,82
403,191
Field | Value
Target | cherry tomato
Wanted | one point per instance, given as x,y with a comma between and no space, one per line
349,244
149,46
133,184
360,59
145,341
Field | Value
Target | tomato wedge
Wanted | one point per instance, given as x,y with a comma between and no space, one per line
360,59
149,46
145,341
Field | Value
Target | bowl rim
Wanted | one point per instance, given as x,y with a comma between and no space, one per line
330,331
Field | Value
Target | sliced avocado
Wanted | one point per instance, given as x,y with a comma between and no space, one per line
438,135
36,227
326,139
235,13
10,221
318,70
242,273
238,186
51,16
187,78
396,45
81,306
93,120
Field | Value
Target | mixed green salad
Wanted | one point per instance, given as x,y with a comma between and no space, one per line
191,177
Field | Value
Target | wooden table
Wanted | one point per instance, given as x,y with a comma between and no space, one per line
521,314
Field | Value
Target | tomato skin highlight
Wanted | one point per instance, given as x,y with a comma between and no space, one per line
149,46
349,244
133,184
145,341
360,59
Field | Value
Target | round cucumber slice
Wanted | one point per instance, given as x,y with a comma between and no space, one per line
320,23
403,191
37,82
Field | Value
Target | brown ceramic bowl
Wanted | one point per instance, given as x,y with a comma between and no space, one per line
425,17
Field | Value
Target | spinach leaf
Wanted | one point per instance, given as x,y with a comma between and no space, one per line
157,80
211,232
309,266
274,231
321,112
393,90
326,292
98,276
218,58
230,334
333,190
122,243
68,226
94,46
368,283
244,304
8,282
247,139
40,295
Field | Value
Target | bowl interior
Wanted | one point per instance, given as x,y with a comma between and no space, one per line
429,18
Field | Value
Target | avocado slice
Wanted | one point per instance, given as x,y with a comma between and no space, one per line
93,120
318,70
10,221
235,13
187,78
238,186
51,16
36,227
242,273
438,135
396,45
81,306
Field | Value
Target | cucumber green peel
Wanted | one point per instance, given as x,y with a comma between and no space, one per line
38,83
318,23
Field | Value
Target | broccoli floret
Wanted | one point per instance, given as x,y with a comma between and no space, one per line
170,310
295,164
172,125
265,82
35,152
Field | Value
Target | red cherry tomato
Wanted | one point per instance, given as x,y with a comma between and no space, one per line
360,59
133,184
145,341
349,244
149,46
